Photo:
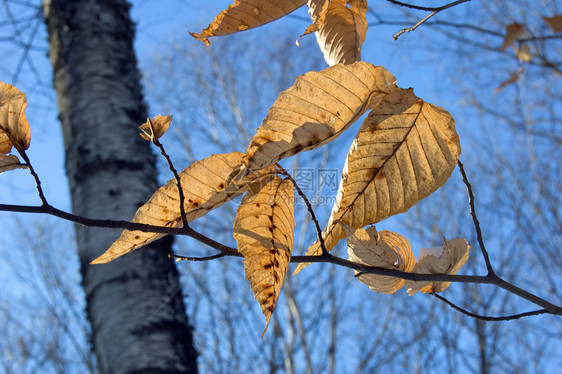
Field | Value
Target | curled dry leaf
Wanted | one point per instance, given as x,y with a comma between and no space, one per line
512,33
155,127
317,10
454,255
315,110
555,22
12,117
204,188
247,14
343,32
385,249
10,162
263,228
405,150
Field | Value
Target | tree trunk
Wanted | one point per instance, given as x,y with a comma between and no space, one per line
134,304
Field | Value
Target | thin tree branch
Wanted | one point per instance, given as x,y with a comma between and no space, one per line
187,231
309,207
486,318
433,10
23,155
197,259
429,9
489,267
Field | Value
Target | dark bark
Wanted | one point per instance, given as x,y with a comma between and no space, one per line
134,304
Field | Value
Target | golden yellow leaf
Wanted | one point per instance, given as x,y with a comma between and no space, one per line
555,22
155,127
315,110
204,188
453,256
263,228
10,162
405,150
385,249
512,33
12,116
343,31
247,14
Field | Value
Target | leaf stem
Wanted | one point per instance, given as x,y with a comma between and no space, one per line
157,143
309,207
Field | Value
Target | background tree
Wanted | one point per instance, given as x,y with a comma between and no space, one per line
134,306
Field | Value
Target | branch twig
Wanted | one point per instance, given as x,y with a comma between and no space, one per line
486,318
433,10
489,267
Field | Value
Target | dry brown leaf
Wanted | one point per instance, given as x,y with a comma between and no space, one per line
405,150
10,162
316,110
512,79
204,188
317,10
5,143
263,228
453,256
247,14
343,31
555,22
12,116
512,33
385,249
155,127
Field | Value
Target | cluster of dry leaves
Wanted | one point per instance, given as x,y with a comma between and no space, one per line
404,151
513,33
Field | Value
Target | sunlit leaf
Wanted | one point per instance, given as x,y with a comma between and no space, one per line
204,188
247,14
317,10
12,116
512,33
453,256
315,110
155,127
10,162
555,22
385,249
405,150
263,228
343,31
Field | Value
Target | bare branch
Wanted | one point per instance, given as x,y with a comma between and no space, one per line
486,318
489,267
433,10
